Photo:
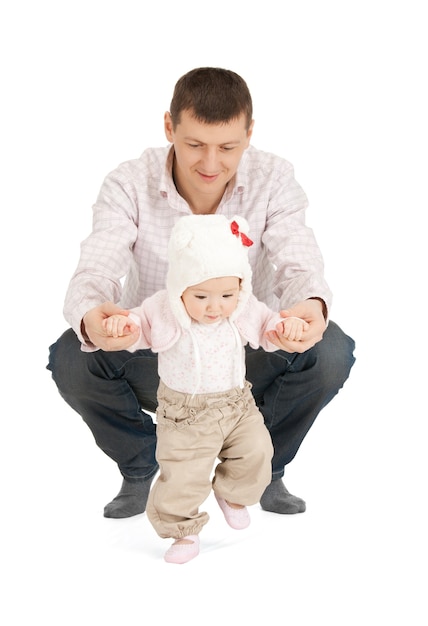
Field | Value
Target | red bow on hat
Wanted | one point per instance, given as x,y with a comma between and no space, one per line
235,230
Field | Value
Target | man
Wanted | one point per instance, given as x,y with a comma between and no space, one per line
208,167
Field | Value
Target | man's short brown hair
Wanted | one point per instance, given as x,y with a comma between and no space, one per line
213,95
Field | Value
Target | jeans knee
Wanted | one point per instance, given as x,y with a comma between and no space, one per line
63,361
336,353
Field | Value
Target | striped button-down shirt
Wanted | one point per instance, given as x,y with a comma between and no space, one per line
124,259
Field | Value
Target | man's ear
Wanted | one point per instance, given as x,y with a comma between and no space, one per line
167,122
250,132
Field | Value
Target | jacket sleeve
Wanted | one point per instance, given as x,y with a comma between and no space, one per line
254,321
138,315
159,329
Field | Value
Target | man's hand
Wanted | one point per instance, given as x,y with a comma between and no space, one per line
93,328
311,311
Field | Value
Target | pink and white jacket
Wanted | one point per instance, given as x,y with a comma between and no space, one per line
202,358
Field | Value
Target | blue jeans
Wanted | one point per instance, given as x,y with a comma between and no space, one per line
112,391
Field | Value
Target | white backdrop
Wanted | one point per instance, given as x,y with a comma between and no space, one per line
339,89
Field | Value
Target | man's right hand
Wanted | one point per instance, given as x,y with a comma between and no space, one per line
92,328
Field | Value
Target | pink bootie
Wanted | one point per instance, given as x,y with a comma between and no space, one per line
236,518
183,552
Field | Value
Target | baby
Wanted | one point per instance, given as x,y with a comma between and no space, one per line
206,412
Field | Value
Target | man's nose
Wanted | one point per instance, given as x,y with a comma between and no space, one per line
210,160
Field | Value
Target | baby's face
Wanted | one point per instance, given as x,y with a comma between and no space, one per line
212,300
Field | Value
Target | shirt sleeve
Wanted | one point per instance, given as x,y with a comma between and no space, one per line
106,255
291,245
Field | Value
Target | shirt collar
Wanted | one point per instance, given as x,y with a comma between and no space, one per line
167,187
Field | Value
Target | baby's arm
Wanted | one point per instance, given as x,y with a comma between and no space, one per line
118,326
291,328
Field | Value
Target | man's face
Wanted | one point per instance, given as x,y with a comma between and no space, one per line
206,155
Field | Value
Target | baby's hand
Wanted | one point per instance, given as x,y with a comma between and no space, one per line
118,326
292,328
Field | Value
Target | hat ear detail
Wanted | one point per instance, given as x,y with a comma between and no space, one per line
181,238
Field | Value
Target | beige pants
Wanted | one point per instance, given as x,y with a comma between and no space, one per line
193,432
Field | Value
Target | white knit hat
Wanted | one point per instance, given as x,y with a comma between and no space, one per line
202,247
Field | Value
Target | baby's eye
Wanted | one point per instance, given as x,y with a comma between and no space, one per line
200,297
